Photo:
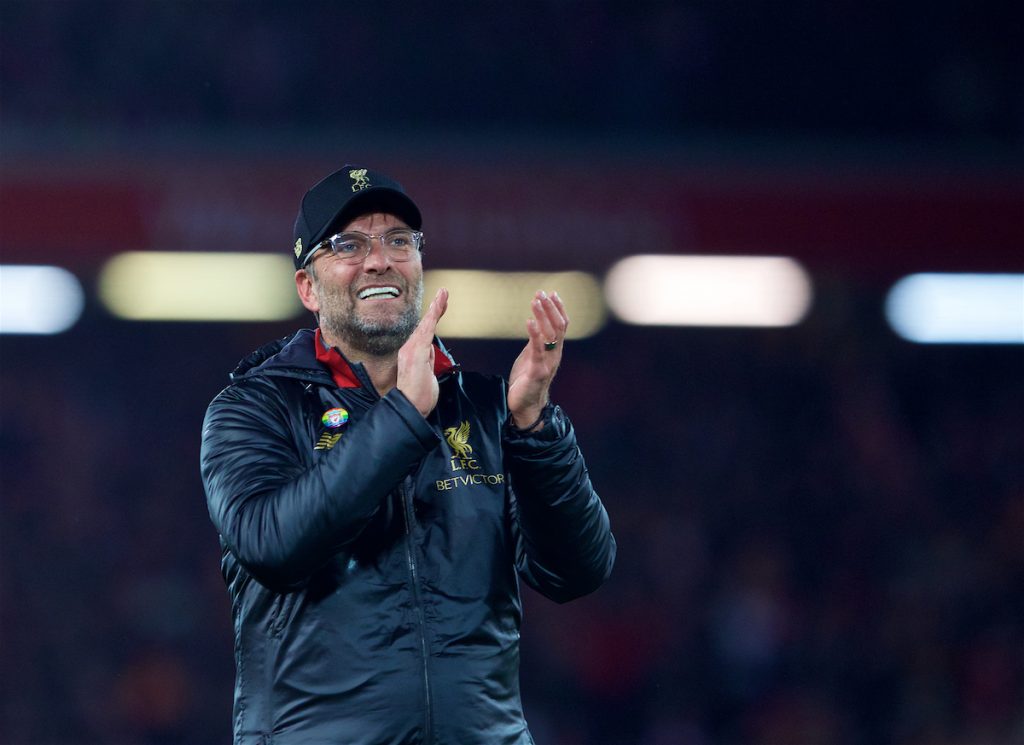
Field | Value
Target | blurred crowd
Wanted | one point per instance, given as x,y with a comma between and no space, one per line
948,72
821,536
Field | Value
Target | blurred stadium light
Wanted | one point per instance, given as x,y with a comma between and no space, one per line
708,290
194,286
38,299
496,305
958,308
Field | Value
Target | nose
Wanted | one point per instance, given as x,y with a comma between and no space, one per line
377,260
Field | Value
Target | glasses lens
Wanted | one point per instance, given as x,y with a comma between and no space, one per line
400,243
350,247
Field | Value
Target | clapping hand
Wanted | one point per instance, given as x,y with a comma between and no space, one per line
535,367
416,377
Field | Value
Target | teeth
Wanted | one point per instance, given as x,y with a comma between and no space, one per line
378,292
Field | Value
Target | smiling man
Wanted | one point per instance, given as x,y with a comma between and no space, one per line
366,300
377,505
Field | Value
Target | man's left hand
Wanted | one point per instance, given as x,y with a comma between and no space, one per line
535,367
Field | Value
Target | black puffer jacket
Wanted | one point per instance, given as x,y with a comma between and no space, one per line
372,563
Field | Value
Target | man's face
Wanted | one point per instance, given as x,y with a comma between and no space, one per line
378,324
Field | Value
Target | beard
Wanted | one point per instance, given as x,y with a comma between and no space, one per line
341,319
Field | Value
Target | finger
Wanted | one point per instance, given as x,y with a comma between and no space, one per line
533,331
428,324
555,311
537,344
560,307
441,302
541,307
534,341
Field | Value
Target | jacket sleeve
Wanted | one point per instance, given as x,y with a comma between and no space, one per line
564,544
281,518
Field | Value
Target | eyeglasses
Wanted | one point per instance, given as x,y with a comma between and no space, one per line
399,244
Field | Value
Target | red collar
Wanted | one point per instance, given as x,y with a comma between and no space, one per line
343,374
345,377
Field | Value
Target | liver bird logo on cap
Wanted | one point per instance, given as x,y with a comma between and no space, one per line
358,175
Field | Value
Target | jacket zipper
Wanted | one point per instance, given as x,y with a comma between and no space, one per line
409,519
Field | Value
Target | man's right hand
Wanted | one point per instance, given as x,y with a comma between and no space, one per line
416,377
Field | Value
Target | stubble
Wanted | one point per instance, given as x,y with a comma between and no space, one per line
379,337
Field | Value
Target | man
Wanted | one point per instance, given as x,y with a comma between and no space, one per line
376,504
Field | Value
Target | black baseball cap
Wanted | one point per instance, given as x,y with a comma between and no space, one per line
342,197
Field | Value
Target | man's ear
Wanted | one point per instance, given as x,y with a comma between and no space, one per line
307,291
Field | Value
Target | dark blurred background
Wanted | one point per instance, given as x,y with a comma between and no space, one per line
821,528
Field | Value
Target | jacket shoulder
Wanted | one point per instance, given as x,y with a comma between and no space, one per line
289,356
259,402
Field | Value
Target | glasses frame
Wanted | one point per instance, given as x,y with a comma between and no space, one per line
333,243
